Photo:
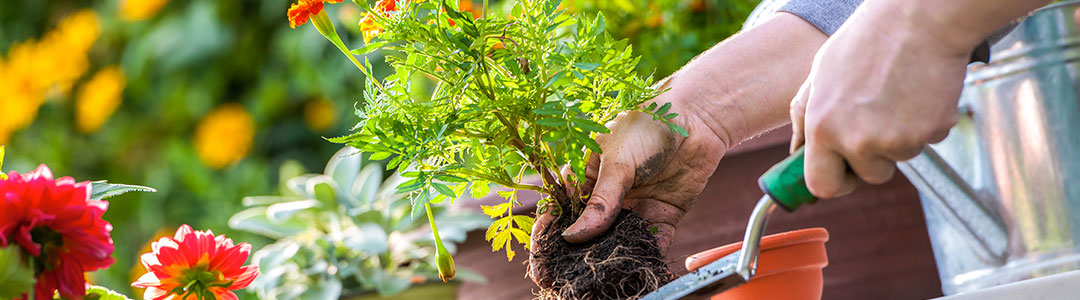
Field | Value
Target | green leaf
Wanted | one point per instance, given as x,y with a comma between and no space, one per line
681,131
589,125
103,293
369,48
104,190
379,155
15,276
663,109
443,189
553,122
586,66
325,193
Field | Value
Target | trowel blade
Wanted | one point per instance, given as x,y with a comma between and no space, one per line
713,278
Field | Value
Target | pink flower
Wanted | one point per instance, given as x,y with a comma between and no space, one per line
195,265
59,226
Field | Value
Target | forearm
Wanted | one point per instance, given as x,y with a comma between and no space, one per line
742,86
957,24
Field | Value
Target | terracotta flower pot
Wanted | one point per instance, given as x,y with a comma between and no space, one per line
789,266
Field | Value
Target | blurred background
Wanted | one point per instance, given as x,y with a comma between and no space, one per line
212,101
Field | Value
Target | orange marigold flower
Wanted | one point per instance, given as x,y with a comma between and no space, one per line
368,27
302,10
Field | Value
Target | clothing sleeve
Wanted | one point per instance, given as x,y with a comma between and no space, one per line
829,15
826,15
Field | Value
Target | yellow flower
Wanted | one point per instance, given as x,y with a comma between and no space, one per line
99,98
319,115
138,10
19,103
35,70
224,136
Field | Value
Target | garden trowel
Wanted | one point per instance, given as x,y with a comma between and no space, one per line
785,186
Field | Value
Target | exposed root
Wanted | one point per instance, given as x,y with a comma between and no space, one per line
624,263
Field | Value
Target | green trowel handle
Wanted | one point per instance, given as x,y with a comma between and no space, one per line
785,183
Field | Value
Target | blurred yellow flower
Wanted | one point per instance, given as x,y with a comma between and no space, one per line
138,10
319,115
224,136
99,98
37,69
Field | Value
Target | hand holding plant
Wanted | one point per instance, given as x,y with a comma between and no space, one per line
527,94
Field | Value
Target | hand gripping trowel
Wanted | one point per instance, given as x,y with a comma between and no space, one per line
785,186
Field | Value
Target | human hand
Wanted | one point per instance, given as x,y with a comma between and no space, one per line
877,93
644,167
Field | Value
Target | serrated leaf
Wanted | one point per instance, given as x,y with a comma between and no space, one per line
589,125
104,190
379,155
443,189
553,122
495,228
509,252
677,129
521,236
369,48
480,189
450,178
586,66
495,211
524,222
500,240
663,109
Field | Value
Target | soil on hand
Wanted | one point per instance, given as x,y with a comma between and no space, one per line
624,263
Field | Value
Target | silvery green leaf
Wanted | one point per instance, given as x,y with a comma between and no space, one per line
254,220
367,184
103,189
344,166
369,238
327,288
281,212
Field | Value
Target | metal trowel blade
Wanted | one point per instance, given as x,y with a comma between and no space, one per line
713,278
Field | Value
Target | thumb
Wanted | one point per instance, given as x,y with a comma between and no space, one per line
798,116
614,179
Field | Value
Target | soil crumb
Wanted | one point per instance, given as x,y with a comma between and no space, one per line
624,263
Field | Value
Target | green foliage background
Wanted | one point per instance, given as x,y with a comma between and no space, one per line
198,54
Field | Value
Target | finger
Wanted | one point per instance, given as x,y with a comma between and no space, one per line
613,180
663,216
665,233
539,226
798,116
591,171
872,169
826,173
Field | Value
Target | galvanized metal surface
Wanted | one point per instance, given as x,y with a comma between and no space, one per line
1018,146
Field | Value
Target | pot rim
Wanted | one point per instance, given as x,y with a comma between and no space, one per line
772,241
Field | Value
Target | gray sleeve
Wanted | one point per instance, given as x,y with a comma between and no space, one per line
826,15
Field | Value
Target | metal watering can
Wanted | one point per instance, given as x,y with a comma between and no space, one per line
1002,193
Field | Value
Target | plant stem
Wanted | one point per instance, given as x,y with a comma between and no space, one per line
326,28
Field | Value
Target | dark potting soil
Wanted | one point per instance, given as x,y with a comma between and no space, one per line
624,263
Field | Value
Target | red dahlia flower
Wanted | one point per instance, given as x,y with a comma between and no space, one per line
195,265
59,226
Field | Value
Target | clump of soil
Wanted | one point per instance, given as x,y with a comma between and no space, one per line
624,263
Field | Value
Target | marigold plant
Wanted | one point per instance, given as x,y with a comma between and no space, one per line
512,95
